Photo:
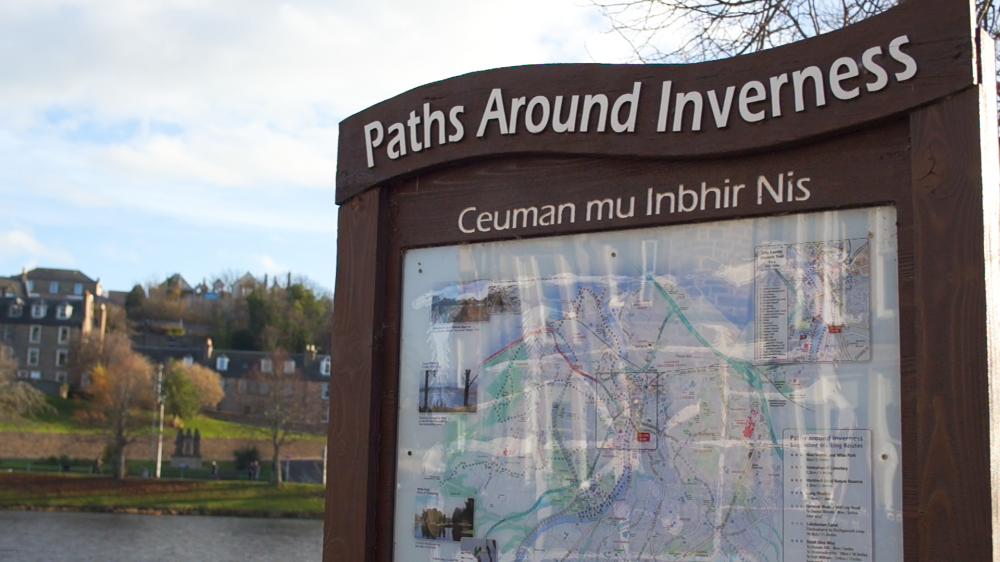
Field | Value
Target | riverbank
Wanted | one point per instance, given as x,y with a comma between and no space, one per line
47,492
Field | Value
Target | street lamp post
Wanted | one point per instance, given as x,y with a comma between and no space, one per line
160,398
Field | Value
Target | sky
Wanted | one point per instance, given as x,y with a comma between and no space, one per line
140,139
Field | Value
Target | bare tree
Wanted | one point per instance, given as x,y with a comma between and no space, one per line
710,29
17,398
281,406
119,385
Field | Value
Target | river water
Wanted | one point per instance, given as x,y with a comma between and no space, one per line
58,536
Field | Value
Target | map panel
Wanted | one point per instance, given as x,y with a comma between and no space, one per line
660,394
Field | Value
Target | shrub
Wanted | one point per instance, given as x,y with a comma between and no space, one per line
245,456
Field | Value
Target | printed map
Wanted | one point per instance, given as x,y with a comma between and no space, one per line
628,416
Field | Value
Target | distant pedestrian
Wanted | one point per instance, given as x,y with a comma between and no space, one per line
255,469
215,470
144,473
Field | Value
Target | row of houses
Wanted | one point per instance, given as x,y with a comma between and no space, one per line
44,311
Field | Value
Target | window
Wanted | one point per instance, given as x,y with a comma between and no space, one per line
325,418
289,366
243,386
64,311
31,285
15,310
33,356
22,374
265,388
8,333
324,367
62,357
36,375
78,289
265,365
85,380
38,310
61,376
188,360
324,391
54,287
35,334
222,363
287,389
63,334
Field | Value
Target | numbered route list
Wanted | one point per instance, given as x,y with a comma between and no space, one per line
770,303
827,495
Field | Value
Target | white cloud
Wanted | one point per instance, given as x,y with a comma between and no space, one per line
21,244
142,119
271,266
249,92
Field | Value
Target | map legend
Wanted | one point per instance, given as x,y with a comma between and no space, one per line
827,495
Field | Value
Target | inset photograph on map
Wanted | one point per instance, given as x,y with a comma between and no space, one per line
479,550
443,518
442,392
504,299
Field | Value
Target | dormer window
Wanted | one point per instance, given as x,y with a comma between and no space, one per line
54,287
31,285
38,310
324,367
78,289
15,310
222,363
266,366
188,360
64,311
289,366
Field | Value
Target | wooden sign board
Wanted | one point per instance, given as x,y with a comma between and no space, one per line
743,309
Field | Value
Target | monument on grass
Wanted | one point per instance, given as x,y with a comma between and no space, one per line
187,450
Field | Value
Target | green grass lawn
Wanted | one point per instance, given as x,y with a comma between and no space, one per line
64,420
183,496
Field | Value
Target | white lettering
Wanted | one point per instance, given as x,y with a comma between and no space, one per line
494,110
746,99
372,143
461,216
911,65
842,69
633,101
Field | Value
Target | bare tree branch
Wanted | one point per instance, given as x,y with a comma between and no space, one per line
700,30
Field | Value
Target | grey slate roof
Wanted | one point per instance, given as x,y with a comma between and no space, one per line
11,285
72,275
50,319
240,362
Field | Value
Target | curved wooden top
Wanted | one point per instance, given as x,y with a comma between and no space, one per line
939,37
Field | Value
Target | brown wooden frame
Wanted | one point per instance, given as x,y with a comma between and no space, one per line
927,161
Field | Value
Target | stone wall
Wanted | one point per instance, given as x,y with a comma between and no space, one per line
30,445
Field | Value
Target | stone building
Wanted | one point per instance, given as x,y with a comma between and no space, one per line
305,377
42,313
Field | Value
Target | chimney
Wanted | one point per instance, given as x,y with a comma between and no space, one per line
288,284
265,281
88,313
